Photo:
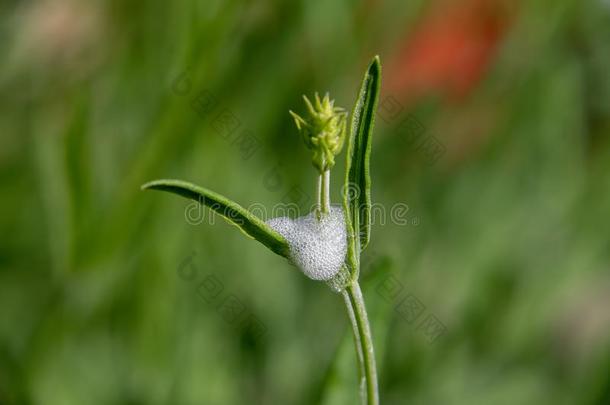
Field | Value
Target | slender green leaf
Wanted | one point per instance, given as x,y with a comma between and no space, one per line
234,213
357,189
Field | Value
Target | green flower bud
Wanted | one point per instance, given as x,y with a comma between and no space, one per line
323,130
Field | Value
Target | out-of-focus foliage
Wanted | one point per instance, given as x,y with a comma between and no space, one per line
103,295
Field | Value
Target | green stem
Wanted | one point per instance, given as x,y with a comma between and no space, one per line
324,192
364,343
356,311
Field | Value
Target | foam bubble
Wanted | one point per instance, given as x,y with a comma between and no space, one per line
317,247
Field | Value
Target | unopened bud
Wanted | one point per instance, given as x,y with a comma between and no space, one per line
323,130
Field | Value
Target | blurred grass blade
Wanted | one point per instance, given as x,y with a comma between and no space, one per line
234,213
357,188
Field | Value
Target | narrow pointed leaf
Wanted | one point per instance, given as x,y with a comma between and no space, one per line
357,188
234,213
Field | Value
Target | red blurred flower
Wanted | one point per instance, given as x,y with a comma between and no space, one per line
450,49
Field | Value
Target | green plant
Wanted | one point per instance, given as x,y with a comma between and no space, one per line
324,132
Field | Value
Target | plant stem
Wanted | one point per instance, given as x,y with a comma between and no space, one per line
324,192
364,343
356,311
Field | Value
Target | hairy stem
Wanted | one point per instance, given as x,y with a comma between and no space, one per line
356,311
324,192
364,343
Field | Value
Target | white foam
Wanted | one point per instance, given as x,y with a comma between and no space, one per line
317,247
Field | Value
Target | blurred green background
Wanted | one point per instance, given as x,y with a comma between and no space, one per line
507,241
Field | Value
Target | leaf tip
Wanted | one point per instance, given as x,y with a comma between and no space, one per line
375,65
146,186
152,185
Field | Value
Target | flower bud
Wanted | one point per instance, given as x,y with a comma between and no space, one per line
323,130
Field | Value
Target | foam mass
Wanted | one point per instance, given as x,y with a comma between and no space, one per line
317,247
